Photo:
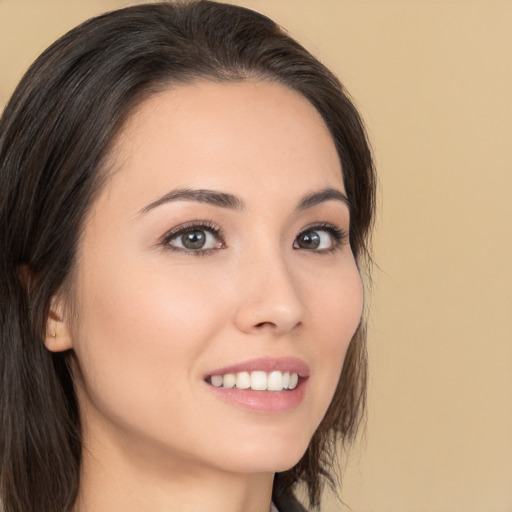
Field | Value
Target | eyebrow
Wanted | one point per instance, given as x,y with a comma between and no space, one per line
326,194
225,200
213,197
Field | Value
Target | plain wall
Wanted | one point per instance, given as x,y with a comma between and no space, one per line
433,80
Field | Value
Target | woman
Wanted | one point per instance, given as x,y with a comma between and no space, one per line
186,201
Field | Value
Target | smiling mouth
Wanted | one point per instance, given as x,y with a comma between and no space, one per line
256,380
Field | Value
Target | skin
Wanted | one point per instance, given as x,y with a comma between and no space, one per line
153,321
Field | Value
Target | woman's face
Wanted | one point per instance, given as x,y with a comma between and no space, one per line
217,248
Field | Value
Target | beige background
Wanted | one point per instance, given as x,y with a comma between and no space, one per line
433,80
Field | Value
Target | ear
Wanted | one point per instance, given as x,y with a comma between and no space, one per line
58,335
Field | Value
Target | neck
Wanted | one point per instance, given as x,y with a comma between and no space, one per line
116,479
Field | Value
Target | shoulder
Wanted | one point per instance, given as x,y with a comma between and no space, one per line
287,502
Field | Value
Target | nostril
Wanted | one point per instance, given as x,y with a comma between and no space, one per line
261,325
275,326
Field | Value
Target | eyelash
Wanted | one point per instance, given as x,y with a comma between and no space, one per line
193,226
338,235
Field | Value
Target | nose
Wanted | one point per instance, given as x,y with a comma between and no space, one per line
269,298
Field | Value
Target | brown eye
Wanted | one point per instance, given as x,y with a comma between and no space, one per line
319,238
194,239
308,240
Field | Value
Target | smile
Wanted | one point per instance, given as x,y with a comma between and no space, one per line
263,385
257,380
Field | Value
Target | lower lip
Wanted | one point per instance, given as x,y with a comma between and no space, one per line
263,401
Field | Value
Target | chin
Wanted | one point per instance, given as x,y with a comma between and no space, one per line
272,464
267,456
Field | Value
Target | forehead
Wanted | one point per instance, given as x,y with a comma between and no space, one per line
242,137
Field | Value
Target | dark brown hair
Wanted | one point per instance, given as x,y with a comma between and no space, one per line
54,136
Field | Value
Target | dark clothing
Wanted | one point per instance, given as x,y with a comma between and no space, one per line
287,502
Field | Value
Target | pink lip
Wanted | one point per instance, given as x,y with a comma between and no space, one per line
264,401
267,364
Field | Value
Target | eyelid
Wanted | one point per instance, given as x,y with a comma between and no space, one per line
340,236
204,225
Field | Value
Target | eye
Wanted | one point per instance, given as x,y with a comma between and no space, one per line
194,238
319,238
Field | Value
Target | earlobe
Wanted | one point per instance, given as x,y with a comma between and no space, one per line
58,336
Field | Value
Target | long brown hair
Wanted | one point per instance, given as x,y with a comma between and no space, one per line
54,136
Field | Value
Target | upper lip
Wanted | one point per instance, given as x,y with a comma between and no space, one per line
266,364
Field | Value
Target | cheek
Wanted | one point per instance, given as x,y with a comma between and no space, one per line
338,307
141,333
337,302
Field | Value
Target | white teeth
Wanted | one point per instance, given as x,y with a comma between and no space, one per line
294,379
217,381
229,380
275,381
257,380
243,380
